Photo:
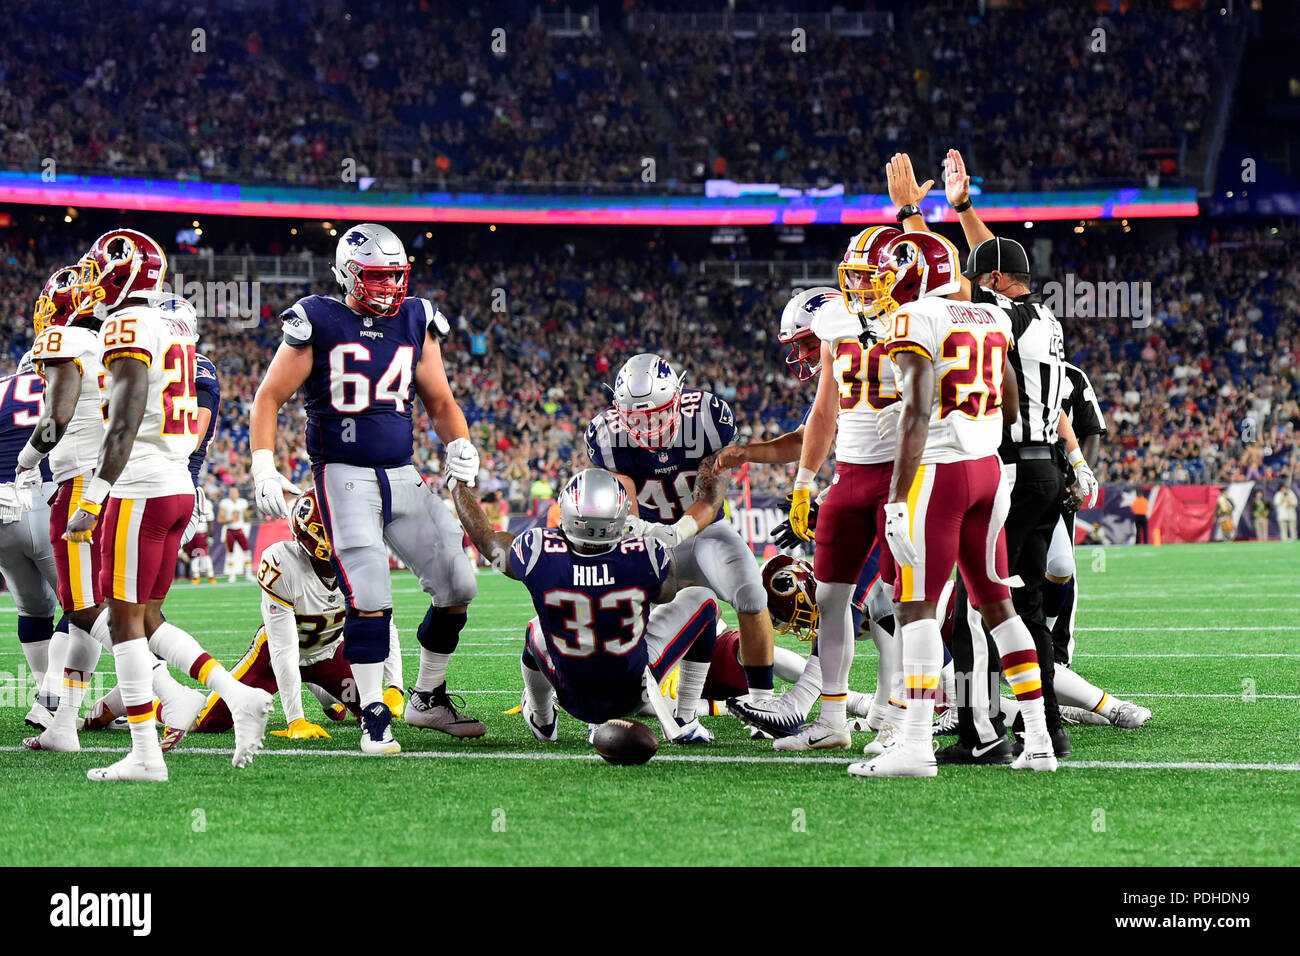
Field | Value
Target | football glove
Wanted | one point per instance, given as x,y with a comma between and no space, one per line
1088,485
195,517
302,729
801,513
462,462
11,506
887,419
271,486
669,687
897,536
683,529
783,535
637,526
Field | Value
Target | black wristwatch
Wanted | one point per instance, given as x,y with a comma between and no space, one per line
962,207
905,212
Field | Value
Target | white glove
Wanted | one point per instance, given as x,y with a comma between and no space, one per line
462,462
11,506
887,419
897,536
271,486
671,535
196,516
637,526
26,483
1088,485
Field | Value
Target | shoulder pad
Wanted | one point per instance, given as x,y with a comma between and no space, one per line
834,322
525,551
434,320
600,448
296,323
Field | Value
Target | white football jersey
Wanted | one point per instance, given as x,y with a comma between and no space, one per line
169,431
78,450
292,586
968,345
234,513
866,382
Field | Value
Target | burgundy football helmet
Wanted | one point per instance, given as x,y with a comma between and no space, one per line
57,303
913,266
308,523
121,264
791,596
859,266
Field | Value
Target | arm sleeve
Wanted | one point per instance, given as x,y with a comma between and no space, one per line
282,641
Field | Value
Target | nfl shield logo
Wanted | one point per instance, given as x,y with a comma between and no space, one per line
369,322
663,457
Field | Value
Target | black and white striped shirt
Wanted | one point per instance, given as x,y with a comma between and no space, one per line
1039,361
1080,404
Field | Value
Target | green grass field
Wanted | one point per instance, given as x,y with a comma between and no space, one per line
1207,636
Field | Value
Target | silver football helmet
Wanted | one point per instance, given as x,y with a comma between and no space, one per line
177,309
368,259
648,399
593,508
804,358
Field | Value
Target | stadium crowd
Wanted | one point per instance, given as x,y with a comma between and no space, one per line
466,108
1221,352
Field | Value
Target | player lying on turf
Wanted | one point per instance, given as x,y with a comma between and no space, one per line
595,642
301,637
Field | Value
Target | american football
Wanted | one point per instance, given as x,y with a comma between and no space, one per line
625,742
876,420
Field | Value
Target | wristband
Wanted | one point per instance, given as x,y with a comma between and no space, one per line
962,207
92,498
1076,458
29,458
908,211
686,527
263,462
803,480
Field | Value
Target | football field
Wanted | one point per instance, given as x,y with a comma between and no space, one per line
1207,636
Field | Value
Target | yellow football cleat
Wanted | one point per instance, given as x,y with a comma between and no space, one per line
395,702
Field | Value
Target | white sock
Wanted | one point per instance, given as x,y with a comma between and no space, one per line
1073,691
393,663
538,693
787,664
79,666
134,670
889,666
56,655
433,670
100,631
809,686
922,660
1012,637
948,684
369,677
834,712
690,682
37,654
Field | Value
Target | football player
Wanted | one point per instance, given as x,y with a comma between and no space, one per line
300,640
947,497
197,547
360,362
836,323
149,343
232,513
195,540
26,558
658,438
592,581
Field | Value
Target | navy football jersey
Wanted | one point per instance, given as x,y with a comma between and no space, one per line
209,386
20,410
593,611
362,382
664,477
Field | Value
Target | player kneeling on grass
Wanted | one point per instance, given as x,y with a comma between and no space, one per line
595,643
301,637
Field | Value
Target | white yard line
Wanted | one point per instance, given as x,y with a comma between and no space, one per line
681,758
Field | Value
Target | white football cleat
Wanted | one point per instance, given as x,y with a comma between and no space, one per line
182,708
946,723
377,730
818,735
693,732
858,704
904,759
1128,715
63,743
547,731
39,717
776,716
1080,715
131,767
1037,755
249,717
884,740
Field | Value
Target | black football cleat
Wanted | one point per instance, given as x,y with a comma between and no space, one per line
992,754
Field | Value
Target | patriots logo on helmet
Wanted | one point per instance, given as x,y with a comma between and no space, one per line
356,238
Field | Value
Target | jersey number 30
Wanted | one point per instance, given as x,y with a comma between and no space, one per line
350,391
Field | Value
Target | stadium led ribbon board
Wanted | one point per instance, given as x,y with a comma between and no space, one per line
633,209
